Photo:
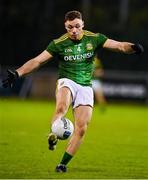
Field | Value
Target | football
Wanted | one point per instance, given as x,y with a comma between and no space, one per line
63,128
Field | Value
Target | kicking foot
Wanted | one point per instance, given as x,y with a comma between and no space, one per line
52,141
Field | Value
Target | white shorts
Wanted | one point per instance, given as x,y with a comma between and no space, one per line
97,85
81,95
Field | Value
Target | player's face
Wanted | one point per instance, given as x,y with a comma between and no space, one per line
75,28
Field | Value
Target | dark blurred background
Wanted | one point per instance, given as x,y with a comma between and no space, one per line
28,26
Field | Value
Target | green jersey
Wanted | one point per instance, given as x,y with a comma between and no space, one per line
76,56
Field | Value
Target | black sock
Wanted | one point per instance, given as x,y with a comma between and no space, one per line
66,158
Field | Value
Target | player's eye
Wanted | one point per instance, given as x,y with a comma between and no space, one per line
69,27
77,25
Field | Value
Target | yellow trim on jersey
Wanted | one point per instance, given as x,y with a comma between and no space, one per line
89,33
62,38
65,36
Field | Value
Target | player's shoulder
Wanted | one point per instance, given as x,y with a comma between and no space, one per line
90,33
61,38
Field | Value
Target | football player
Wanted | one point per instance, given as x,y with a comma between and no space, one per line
76,50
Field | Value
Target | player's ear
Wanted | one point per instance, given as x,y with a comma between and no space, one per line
65,25
82,24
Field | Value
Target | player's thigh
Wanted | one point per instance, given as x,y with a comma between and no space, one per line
82,115
63,97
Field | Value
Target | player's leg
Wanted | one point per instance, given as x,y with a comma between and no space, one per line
99,94
101,100
82,115
63,100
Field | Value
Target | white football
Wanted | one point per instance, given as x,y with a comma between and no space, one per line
63,128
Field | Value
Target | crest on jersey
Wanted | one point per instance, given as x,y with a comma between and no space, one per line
89,46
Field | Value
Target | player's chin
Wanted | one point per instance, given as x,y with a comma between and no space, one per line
74,37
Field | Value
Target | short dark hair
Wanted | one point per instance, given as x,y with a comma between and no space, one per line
71,15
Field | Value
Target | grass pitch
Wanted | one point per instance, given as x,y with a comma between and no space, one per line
115,146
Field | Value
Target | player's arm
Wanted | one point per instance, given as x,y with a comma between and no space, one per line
125,47
34,63
27,68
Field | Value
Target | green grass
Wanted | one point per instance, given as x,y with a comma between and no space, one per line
115,146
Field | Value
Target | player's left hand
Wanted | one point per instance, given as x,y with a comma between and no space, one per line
138,48
11,78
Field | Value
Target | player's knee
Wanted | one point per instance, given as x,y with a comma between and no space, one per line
61,109
81,130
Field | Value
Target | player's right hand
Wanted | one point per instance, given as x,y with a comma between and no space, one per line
10,79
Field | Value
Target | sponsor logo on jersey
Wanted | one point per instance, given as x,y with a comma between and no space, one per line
89,46
79,57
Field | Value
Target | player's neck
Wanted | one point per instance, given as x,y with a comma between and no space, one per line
79,37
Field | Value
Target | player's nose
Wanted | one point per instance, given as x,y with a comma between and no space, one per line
74,30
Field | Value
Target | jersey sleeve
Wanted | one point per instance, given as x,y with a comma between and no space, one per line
51,48
101,38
